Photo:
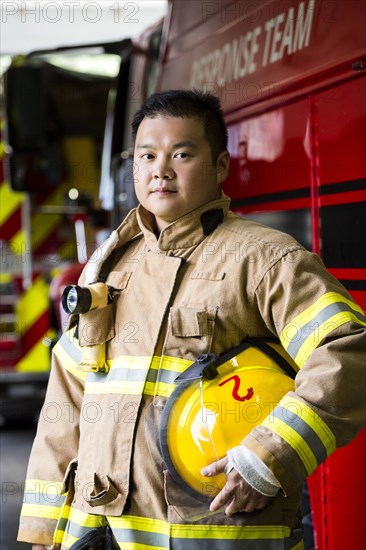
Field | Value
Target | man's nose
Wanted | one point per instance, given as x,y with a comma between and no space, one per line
163,170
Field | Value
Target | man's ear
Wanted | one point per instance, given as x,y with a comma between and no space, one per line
222,166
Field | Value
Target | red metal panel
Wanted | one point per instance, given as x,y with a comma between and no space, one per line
248,52
269,155
342,126
338,501
338,487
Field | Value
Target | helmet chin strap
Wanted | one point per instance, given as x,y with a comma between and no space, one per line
206,365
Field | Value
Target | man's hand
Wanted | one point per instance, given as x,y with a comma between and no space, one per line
237,495
38,547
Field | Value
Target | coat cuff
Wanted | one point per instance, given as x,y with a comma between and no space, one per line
255,472
287,470
36,530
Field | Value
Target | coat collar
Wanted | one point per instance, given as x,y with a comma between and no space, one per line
187,231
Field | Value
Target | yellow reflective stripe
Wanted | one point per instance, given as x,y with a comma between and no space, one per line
138,546
158,388
43,486
133,388
40,511
227,532
9,201
66,360
68,363
62,519
85,520
316,423
295,440
298,546
137,523
321,332
130,375
167,362
325,300
79,520
156,362
305,332
199,531
66,540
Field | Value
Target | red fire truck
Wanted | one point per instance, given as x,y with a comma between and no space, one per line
291,78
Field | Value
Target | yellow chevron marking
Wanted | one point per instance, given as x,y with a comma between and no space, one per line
2,145
36,360
9,201
31,306
33,303
17,243
42,226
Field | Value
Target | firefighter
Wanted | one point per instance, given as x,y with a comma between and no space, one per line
182,278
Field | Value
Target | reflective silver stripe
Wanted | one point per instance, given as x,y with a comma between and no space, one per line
311,326
117,375
159,540
136,536
69,347
132,531
133,375
228,544
45,500
61,524
304,430
162,375
73,529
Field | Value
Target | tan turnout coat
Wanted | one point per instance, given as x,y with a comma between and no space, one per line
209,281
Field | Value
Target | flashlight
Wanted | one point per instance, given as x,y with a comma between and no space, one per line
80,299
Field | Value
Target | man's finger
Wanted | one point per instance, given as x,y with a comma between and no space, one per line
237,505
224,497
215,468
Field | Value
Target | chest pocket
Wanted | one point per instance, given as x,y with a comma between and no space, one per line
190,331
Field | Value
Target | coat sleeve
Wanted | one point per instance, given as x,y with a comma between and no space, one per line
55,445
323,330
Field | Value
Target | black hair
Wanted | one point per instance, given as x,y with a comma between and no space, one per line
203,106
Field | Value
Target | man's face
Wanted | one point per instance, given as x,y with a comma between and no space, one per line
174,172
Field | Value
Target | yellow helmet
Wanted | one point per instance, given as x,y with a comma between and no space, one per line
217,402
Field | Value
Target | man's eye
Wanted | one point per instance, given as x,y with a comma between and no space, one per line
182,155
147,156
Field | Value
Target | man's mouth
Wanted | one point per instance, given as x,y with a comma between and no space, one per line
163,191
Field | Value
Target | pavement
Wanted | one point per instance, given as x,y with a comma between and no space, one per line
15,445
